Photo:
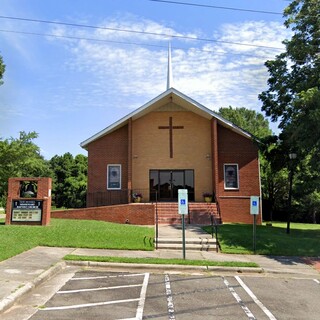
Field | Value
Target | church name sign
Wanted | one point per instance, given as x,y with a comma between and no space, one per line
26,210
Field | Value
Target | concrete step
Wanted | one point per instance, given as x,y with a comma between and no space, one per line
200,240
189,247
204,243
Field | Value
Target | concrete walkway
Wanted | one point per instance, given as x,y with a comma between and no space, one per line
20,274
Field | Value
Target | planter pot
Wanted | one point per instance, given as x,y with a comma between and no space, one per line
208,199
137,200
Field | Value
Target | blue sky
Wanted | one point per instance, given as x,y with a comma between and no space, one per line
66,86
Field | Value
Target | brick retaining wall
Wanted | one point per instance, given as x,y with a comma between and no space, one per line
135,213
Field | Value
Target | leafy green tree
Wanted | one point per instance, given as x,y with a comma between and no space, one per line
249,120
293,96
70,180
20,158
307,187
2,69
293,99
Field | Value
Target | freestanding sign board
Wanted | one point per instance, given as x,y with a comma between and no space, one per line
26,211
29,201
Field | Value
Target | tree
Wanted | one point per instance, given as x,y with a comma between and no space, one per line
307,186
20,158
293,96
2,69
70,180
249,120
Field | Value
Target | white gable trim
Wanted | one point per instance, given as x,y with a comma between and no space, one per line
193,106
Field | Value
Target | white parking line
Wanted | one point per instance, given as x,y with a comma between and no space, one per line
242,304
106,277
86,305
142,299
169,297
317,281
98,289
255,299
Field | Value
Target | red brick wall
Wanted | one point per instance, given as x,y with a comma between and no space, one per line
135,213
231,148
110,149
234,148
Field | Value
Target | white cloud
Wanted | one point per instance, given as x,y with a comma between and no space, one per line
217,74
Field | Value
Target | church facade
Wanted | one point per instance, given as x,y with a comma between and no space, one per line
171,143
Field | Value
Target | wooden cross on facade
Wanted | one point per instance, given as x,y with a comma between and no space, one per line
171,128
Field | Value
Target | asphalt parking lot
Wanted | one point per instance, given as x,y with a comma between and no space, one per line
113,295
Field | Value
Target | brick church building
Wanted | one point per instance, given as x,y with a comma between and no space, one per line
173,142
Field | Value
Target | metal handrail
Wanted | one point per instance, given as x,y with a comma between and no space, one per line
157,222
214,226
218,206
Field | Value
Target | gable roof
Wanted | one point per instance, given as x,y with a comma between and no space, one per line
170,95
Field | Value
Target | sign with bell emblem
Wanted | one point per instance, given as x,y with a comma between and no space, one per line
29,201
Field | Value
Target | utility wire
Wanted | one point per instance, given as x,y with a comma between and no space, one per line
216,7
130,43
138,32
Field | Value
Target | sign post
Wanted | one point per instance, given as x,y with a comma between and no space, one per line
254,210
183,210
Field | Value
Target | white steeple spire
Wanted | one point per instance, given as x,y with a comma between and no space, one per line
169,75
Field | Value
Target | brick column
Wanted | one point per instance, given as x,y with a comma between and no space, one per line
214,156
129,159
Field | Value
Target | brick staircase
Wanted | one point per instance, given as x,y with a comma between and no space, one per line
199,213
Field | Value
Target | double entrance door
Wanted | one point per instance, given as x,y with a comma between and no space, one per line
164,184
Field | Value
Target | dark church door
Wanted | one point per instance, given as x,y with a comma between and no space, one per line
164,184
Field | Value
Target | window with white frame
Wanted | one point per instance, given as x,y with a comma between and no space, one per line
231,176
114,177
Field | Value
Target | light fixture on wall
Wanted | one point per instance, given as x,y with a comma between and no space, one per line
135,156
208,156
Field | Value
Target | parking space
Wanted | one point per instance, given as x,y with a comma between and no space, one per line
108,295
92,294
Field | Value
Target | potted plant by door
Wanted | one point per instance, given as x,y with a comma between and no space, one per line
207,196
136,196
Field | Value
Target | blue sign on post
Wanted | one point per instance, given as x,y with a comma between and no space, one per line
183,201
183,209
254,210
254,205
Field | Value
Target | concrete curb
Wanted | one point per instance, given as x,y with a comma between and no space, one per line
7,302
164,267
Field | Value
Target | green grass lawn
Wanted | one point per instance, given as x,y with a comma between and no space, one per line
72,233
90,234
163,261
303,240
